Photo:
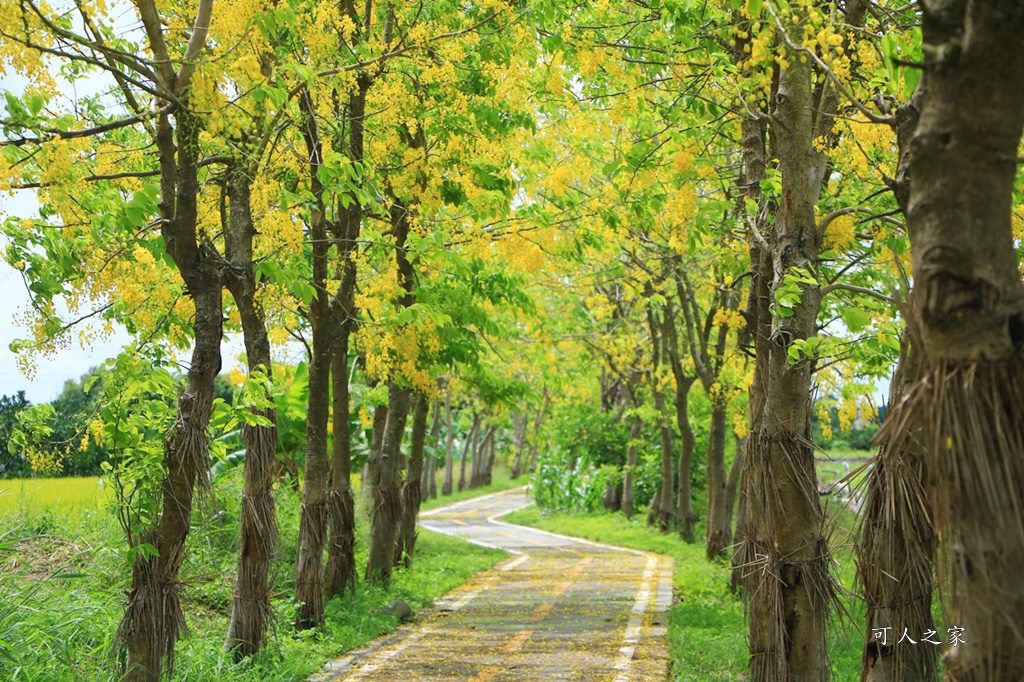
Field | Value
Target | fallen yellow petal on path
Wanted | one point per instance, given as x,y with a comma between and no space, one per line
559,609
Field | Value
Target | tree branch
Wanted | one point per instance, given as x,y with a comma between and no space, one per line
196,42
871,116
840,286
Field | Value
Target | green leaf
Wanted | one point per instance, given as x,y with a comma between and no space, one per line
888,45
35,104
856,319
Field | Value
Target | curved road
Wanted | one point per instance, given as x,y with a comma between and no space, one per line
559,609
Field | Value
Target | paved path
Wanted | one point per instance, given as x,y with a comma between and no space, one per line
560,609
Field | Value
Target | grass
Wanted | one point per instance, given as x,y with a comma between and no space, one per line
69,496
501,480
843,452
707,627
63,578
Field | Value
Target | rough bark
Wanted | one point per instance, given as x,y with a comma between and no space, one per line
685,519
786,582
467,449
896,547
478,470
630,474
309,569
520,422
250,610
663,506
708,362
758,327
387,509
719,532
428,482
733,480
491,452
372,473
153,618
449,445
968,305
411,490
313,515
340,570
612,498
896,544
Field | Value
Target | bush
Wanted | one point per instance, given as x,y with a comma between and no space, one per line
862,439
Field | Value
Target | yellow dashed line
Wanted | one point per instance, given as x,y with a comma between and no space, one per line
541,611
578,568
487,674
560,590
517,642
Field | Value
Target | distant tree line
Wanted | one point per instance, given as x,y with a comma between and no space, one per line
68,444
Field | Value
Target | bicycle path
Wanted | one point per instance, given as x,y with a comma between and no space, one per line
560,609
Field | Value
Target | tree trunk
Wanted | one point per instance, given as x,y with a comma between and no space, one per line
896,548
340,572
733,481
449,446
662,508
758,327
489,469
537,423
896,544
478,470
467,449
708,366
664,512
411,491
685,520
969,312
519,426
719,532
428,482
153,618
630,474
250,610
612,498
475,459
387,510
313,518
380,419
309,569
787,584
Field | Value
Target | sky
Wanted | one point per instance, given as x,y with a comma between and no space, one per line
52,372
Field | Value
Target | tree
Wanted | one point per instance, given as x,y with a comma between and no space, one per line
967,310
11,464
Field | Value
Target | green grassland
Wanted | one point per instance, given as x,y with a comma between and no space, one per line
64,573
70,496
66,496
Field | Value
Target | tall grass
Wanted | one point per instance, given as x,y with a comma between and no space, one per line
66,496
63,579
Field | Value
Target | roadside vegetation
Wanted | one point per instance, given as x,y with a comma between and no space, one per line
62,587
649,254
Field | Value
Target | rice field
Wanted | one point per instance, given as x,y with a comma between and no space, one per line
65,496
